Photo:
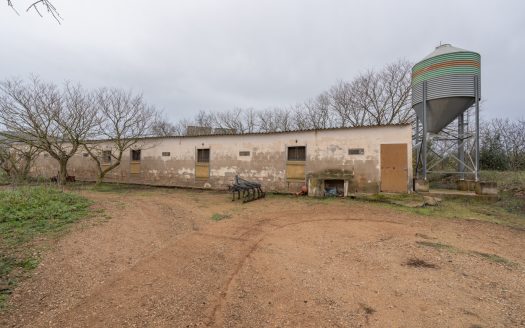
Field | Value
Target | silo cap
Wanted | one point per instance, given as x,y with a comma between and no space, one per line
444,49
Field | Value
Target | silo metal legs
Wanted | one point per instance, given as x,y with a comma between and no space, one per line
461,146
476,93
424,139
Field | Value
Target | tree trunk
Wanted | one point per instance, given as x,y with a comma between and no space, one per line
100,177
62,178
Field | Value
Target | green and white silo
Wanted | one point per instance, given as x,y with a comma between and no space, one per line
444,85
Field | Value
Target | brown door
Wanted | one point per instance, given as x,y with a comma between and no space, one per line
202,165
394,168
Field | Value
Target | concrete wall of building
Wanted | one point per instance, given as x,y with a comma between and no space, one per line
326,151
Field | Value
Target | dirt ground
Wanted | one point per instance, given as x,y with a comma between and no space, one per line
161,261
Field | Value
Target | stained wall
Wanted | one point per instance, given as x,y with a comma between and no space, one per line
326,151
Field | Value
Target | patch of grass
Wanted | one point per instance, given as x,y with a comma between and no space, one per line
494,258
219,216
507,180
4,179
119,187
438,246
418,263
25,214
508,210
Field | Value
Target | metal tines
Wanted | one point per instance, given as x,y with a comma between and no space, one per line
250,190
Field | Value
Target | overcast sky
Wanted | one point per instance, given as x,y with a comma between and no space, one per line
216,55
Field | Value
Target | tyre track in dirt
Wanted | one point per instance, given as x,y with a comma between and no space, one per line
216,318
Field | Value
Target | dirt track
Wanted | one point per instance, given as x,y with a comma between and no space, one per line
160,261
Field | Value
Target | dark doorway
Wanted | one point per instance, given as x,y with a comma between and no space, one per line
334,188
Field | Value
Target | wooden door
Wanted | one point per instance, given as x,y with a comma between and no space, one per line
202,164
394,168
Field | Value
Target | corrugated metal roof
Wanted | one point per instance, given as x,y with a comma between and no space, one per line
277,132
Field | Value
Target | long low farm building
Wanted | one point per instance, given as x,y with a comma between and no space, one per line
340,160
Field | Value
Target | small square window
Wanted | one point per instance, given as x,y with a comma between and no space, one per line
244,153
203,155
106,156
166,153
297,153
85,154
356,151
135,154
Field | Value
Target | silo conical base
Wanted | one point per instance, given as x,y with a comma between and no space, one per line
441,112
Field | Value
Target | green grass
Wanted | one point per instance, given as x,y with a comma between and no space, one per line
507,180
495,258
219,216
4,179
28,213
509,210
118,188
440,246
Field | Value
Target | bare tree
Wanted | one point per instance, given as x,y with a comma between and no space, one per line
372,98
274,120
16,159
231,120
318,112
124,120
340,96
386,95
43,116
39,6
163,128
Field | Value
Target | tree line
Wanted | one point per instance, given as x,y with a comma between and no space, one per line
372,98
502,144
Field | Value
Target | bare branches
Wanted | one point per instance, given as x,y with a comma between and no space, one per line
39,7
42,116
372,98
123,119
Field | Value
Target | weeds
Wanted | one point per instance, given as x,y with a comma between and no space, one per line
494,258
219,216
440,246
25,214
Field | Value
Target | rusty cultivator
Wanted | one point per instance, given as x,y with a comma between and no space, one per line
250,190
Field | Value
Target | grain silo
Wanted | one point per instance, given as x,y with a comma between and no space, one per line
445,84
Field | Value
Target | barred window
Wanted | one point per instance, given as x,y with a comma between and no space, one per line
297,153
166,153
356,151
106,156
244,153
203,155
135,154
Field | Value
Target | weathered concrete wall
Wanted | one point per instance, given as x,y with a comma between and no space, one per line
326,150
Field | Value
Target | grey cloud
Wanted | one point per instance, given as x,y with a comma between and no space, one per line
191,55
